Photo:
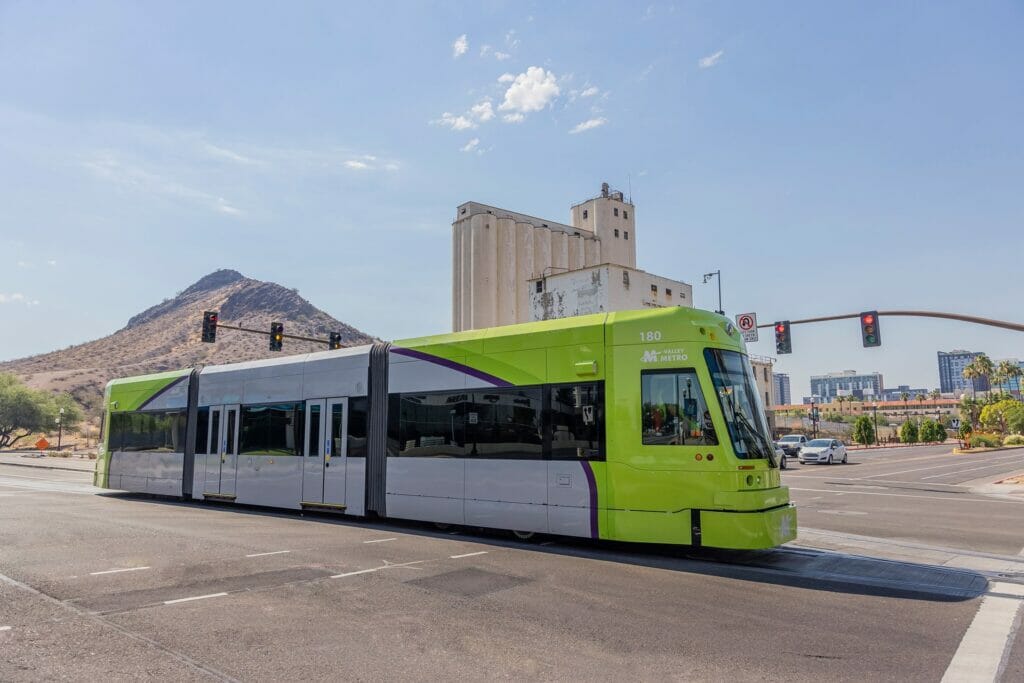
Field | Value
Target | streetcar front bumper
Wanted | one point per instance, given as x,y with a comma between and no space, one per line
754,530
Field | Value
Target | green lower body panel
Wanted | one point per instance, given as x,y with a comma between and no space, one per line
748,530
649,527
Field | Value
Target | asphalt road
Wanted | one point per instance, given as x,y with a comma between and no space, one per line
115,586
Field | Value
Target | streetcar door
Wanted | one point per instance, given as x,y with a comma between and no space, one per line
313,453
336,427
323,468
212,482
229,450
222,450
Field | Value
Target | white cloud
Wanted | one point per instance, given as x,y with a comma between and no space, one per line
484,49
454,122
590,92
513,118
391,166
501,56
589,124
17,298
460,46
710,60
471,145
530,91
646,72
511,40
229,155
357,165
483,111
51,263
506,78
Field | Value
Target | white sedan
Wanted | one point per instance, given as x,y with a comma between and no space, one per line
823,450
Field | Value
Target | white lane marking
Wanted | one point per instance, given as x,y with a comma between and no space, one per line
904,495
275,552
939,467
982,652
5,628
377,569
455,557
841,512
969,469
194,597
118,571
380,540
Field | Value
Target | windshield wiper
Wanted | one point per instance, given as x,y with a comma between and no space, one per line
757,437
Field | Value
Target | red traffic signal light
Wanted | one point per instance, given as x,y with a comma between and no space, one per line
870,331
209,326
783,340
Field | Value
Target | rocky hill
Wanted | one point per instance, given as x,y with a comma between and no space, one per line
167,336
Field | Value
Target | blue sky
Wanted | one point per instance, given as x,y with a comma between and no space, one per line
827,158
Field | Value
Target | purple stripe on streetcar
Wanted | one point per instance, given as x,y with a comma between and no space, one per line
452,365
592,485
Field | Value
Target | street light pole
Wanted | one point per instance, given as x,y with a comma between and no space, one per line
718,274
874,410
60,427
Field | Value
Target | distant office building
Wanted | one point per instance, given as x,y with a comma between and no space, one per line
848,383
897,393
1014,385
783,393
951,372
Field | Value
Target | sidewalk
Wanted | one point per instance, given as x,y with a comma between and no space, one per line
32,459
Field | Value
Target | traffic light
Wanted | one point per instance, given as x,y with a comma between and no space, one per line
209,326
335,342
783,342
870,332
276,336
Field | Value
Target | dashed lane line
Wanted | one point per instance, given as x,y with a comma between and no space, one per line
118,571
952,499
191,663
456,557
377,569
983,651
273,552
194,597
5,628
381,540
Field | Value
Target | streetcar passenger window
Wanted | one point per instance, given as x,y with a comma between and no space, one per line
430,425
270,429
162,430
202,429
358,408
673,411
575,421
504,423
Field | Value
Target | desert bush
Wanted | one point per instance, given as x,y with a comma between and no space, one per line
985,441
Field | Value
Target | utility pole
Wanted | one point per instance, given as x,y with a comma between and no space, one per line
60,427
718,274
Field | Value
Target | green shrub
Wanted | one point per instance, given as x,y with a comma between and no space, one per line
1014,440
864,430
985,441
908,432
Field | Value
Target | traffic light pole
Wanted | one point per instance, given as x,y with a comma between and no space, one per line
1016,327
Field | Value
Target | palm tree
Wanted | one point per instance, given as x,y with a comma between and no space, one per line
904,396
1005,372
839,400
983,367
920,400
935,394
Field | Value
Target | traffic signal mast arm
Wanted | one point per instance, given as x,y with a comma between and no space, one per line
264,332
1016,327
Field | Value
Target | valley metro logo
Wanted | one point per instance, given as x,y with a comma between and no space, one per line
651,356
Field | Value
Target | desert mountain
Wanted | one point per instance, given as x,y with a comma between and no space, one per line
167,337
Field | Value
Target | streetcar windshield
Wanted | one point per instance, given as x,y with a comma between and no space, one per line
741,404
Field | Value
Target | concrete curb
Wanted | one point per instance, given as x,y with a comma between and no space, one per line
47,467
